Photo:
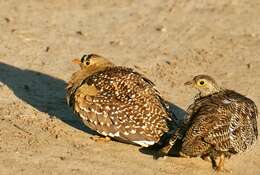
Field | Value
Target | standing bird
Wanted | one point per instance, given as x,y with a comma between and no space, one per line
220,123
117,102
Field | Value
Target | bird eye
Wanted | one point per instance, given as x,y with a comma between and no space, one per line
87,63
202,82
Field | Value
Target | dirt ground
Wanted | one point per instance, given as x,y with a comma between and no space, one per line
169,41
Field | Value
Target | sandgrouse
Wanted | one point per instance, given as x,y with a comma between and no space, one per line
117,102
220,123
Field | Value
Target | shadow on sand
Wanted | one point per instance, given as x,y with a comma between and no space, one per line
43,92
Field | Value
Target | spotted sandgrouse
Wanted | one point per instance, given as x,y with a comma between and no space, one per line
220,122
117,102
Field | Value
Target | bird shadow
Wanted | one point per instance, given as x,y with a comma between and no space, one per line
42,91
179,115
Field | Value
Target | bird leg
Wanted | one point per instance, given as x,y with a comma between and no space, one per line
220,166
100,139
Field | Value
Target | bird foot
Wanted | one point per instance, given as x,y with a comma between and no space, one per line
100,139
222,170
220,166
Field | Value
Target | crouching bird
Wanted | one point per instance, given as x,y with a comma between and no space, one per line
117,102
220,123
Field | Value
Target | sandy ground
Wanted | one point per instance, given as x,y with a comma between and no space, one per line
169,41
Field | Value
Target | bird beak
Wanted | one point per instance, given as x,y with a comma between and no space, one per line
76,61
188,83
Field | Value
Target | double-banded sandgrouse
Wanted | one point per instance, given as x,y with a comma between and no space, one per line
220,123
117,102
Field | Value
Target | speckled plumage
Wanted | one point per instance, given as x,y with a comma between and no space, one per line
220,122
118,102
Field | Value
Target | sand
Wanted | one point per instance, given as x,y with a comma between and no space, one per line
169,41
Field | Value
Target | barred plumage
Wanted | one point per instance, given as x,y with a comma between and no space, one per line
220,123
225,119
117,102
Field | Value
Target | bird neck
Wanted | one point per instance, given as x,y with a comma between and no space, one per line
85,72
210,91
89,70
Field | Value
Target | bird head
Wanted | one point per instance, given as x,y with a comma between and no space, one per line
92,60
204,84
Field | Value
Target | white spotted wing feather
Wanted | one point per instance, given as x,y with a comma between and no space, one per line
118,102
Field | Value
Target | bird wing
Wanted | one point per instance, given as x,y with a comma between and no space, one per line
201,121
120,103
243,125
